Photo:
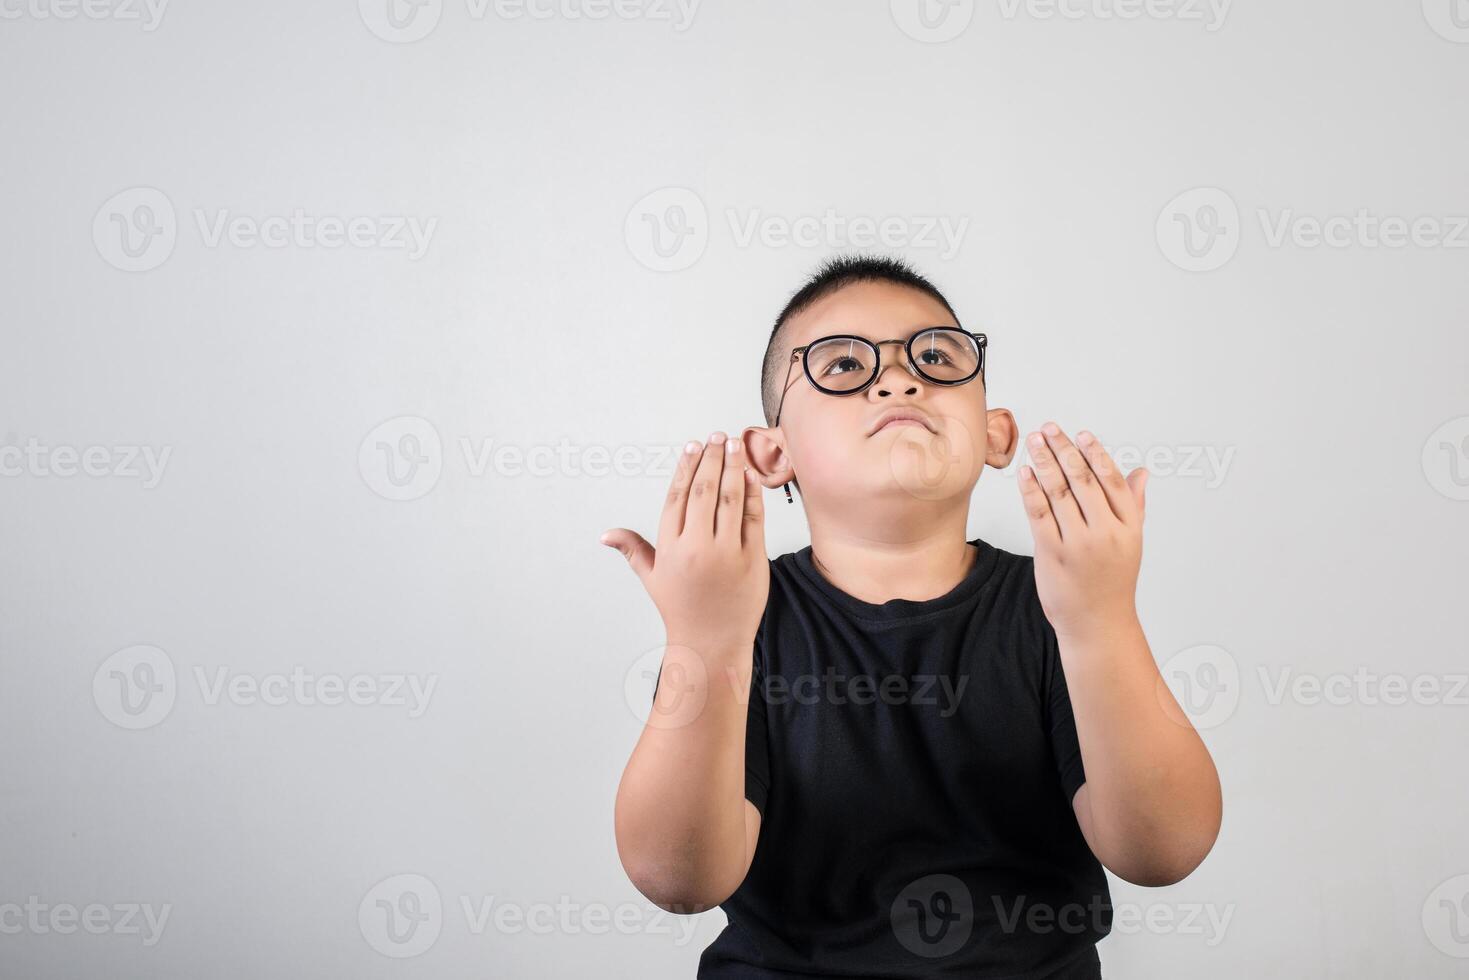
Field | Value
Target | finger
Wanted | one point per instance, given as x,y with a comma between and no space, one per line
1119,497
754,522
1137,482
1043,525
729,514
1084,486
1056,487
634,547
670,525
704,490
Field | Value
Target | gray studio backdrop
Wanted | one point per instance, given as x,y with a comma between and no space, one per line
335,333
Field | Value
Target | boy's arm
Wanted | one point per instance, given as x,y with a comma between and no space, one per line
685,832
1151,805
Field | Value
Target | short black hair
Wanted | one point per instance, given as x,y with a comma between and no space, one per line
834,274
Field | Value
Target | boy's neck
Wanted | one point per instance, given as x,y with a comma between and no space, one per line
917,566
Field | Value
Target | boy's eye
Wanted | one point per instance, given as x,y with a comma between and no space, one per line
933,357
844,365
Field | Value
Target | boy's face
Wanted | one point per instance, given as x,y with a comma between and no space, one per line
837,445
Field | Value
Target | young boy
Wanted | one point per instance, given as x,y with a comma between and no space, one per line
898,752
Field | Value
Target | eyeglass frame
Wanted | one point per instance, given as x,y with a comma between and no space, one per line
980,340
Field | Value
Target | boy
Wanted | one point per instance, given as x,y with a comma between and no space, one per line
895,752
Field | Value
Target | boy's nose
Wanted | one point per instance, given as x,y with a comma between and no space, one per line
905,380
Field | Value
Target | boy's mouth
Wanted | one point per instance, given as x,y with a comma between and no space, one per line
901,416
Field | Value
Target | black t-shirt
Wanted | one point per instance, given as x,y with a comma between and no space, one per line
914,765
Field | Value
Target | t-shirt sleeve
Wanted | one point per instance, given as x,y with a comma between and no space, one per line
757,751
757,747
1061,723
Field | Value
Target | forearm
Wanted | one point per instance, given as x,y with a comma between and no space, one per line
680,811
1151,806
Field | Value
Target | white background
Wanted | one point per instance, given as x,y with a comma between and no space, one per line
544,152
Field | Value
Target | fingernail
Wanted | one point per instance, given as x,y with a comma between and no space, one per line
1037,440
1052,429
1084,437
691,446
716,437
731,445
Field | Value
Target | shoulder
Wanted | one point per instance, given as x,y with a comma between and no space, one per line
1014,576
1016,601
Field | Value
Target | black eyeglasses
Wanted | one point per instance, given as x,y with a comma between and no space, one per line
845,364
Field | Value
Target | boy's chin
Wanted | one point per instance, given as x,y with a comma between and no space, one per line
925,465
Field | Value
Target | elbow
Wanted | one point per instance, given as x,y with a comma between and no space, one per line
676,893
1155,874
1158,867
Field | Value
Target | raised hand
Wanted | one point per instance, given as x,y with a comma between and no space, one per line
1087,521
710,574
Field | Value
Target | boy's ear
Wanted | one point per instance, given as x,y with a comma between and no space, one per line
765,449
1002,438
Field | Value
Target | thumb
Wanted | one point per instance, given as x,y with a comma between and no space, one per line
1137,482
637,551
